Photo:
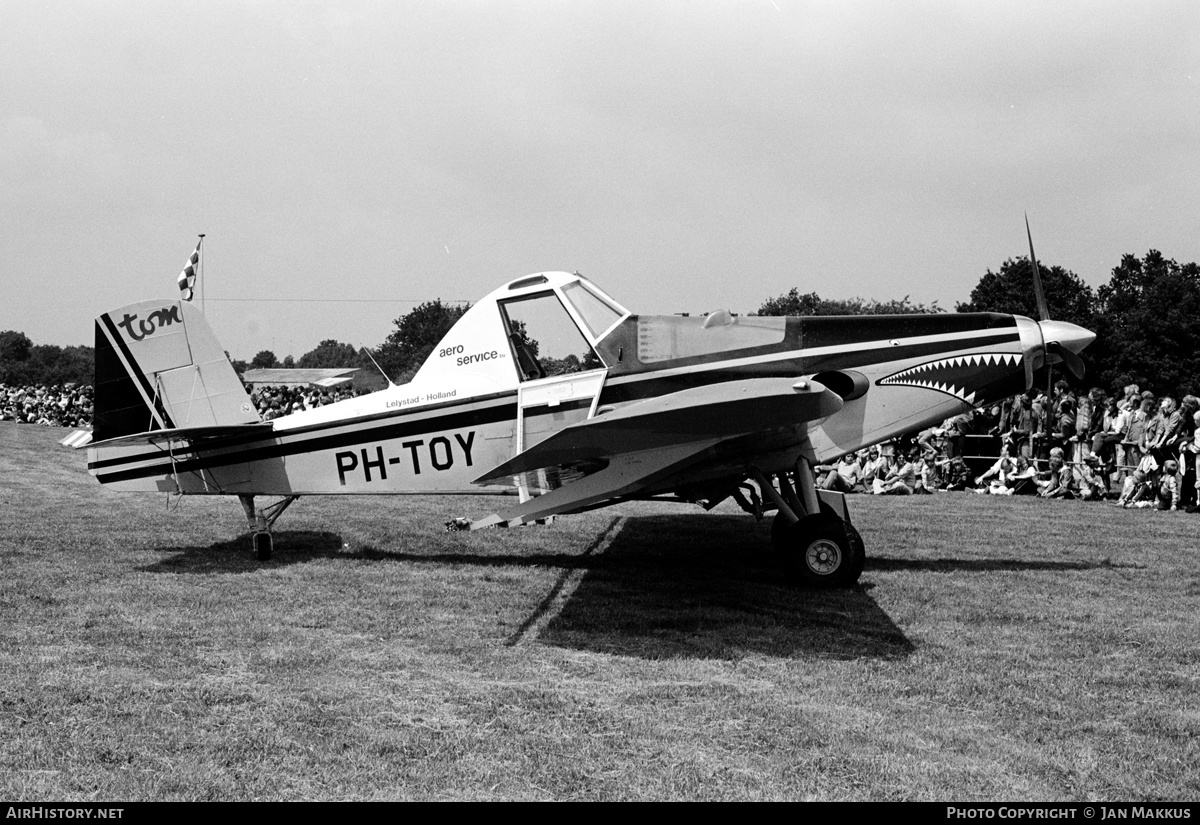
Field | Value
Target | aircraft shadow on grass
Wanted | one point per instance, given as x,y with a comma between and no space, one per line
231,556
704,586
658,587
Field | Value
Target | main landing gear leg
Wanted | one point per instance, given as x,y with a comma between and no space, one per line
812,532
261,521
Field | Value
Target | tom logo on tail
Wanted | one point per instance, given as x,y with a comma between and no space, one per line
550,390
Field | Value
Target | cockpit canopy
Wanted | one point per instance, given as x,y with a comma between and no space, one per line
554,331
534,327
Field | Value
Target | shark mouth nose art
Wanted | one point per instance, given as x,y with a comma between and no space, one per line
961,376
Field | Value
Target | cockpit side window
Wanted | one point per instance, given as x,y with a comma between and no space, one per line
545,340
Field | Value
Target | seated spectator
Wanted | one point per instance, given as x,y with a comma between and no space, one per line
841,477
1166,491
998,472
1140,484
1057,481
875,468
1090,479
955,473
928,478
1022,481
899,481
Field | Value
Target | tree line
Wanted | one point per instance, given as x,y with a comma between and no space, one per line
1146,320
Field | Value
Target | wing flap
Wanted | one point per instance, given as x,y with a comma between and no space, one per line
625,475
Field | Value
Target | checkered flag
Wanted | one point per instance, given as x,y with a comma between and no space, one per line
187,278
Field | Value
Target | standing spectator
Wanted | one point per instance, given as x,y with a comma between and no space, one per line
1182,447
1167,426
1115,430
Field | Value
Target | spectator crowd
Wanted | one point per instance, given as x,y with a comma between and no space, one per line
273,402
1135,450
69,405
72,405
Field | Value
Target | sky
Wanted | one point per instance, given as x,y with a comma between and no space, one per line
348,160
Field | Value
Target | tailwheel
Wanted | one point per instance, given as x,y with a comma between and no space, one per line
261,521
262,545
823,551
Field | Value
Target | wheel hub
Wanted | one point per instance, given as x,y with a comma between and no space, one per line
823,557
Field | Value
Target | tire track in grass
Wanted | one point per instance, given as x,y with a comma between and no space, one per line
566,585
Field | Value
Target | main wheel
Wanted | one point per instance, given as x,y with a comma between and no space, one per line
780,527
821,553
859,549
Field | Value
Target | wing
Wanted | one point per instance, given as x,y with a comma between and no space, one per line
619,454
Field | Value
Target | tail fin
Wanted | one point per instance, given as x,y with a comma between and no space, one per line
159,366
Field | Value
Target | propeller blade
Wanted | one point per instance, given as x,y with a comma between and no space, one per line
1071,362
1038,292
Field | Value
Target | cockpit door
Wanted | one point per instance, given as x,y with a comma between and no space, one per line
561,375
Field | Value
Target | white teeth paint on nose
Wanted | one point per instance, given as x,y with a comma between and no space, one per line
957,375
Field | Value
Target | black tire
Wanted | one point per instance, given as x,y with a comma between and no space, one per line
779,533
859,548
262,546
821,553
780,539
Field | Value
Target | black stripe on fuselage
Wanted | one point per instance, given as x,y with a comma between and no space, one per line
830,331
640,386
381,419
285,443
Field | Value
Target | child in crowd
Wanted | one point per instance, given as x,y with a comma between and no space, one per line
1139,486
1166,491
1091,480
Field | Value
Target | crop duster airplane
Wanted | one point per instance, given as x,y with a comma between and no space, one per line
550,389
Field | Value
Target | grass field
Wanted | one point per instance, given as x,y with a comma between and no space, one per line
996,649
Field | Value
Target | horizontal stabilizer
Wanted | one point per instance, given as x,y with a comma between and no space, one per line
77,439
188,434
718,411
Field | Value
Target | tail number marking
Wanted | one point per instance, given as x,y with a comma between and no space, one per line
438,452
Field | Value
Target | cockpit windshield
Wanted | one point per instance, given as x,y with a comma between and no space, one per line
597,314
